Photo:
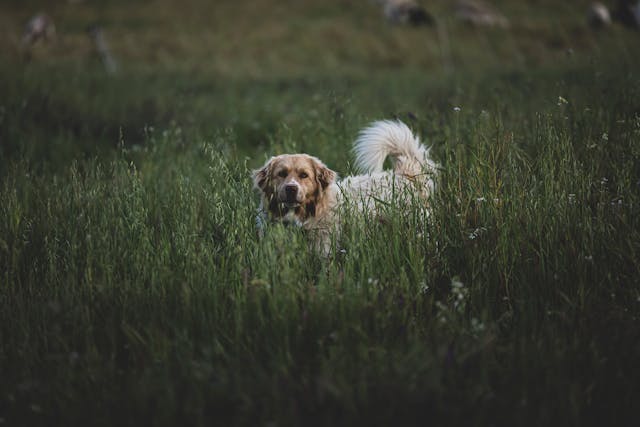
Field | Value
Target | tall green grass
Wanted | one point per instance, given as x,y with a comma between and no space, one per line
135,288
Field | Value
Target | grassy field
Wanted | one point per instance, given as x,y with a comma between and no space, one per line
134,289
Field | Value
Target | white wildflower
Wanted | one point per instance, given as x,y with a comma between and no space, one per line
477,233
424,288
477,325
442,312
460,294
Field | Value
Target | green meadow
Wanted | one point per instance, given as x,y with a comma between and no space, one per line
134,289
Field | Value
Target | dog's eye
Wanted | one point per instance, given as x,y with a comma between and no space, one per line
282,173
303,175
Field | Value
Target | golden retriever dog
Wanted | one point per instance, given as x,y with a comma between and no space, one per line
299,189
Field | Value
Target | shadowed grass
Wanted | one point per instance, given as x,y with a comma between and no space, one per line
138,286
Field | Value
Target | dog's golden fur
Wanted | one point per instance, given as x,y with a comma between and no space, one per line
293,187
300,189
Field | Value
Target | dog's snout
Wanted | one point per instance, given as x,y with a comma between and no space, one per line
291,189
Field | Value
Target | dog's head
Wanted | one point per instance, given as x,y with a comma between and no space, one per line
292,186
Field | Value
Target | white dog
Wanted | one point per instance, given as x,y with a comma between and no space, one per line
299,189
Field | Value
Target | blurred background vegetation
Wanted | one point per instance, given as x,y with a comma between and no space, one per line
208,66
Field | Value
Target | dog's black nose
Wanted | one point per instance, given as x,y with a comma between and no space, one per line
291,190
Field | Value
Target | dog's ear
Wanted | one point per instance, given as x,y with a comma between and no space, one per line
324,175
262,177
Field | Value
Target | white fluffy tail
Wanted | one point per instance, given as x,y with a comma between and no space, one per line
395,139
